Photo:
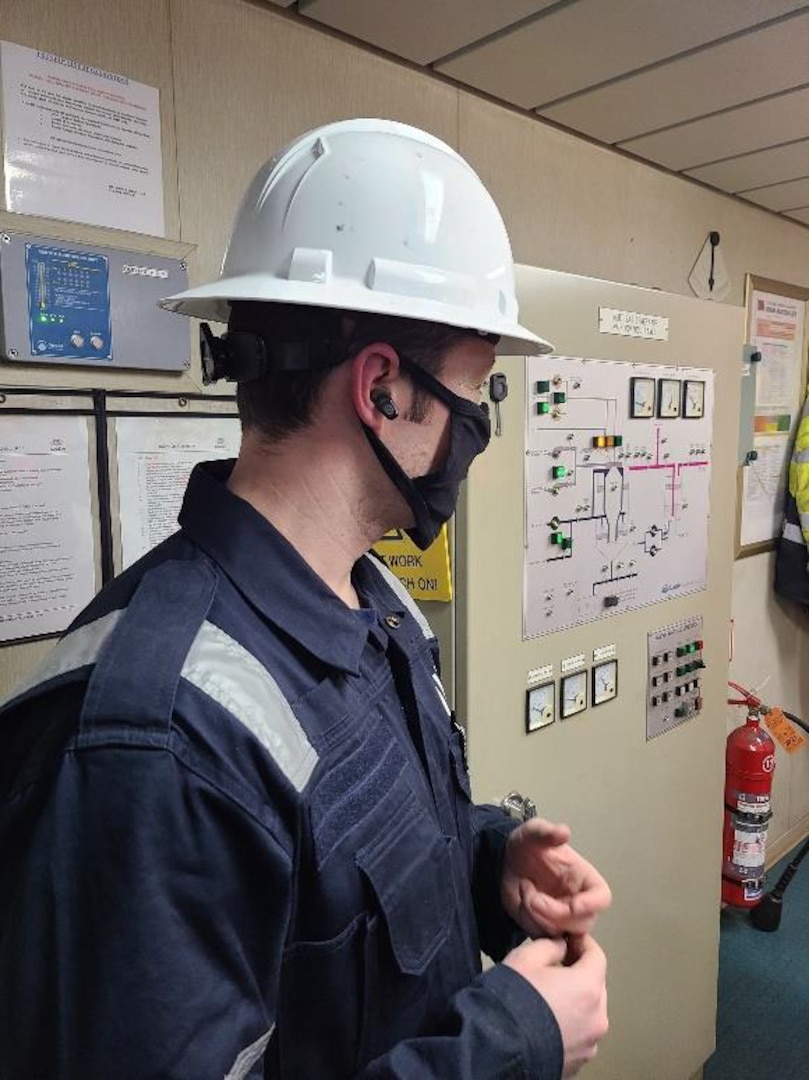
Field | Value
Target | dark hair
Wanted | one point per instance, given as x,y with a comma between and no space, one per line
281,403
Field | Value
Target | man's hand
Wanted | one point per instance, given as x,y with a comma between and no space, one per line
548,888
571,977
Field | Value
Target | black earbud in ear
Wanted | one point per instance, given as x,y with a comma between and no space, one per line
383,402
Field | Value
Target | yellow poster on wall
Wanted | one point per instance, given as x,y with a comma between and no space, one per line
425,574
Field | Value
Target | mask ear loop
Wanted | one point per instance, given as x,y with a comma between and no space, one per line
453,401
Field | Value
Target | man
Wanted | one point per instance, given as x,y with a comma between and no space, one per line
237,837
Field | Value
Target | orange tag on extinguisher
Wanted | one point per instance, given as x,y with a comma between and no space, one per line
782,731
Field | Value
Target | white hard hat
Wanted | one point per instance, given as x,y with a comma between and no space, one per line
374,216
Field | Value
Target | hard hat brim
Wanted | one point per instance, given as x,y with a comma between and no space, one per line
212,302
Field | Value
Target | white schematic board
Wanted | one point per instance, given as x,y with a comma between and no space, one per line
617,480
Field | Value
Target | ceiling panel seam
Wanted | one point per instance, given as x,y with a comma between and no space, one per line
673,59
624,143
774,184
503,31
747,153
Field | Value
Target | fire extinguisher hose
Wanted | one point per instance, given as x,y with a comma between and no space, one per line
766,915
796,720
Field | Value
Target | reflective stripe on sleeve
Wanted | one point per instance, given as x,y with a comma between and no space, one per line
792,533
249,1056
77,649
224,670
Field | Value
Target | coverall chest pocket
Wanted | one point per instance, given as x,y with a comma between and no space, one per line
409,966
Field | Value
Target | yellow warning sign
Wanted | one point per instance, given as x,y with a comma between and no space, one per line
425,574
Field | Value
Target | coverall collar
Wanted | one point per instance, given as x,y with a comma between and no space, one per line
268,570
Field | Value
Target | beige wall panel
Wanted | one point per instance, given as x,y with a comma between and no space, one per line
676,91
800,215
563,201
539,63
125,38
572,206
770,166
718,137
18,661
248,80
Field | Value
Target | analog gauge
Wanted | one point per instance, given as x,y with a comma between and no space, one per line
693,399
540,706
605,682
668,399
641,398
573,694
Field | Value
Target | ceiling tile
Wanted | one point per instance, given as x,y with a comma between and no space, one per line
419,30
772,166
749,67
781,196
582,44
737,131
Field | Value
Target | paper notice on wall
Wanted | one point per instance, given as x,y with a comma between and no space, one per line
764,488
81,144
47,551
155,457
778,335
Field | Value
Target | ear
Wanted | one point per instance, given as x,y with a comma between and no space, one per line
376,367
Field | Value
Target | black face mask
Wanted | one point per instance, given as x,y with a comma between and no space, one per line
432,498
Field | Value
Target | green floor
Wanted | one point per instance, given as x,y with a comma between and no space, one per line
763,1013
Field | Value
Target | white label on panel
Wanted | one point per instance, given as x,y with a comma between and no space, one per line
572,662
633,324
539,675
605,652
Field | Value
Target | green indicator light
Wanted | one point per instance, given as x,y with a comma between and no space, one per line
543,407
559,472
681,650
567,544
556,538
559,399
543,387
619,440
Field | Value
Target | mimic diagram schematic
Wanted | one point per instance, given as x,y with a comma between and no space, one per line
617,479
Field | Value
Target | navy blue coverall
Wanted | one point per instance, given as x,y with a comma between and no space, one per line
236,837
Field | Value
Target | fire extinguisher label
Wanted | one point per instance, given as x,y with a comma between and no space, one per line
749,846
753,890
753,804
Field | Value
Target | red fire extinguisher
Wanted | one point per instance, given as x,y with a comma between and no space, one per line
749,768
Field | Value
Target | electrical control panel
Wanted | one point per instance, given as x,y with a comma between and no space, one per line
69,303
617,476
674,683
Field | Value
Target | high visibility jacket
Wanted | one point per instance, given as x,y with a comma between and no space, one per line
792,565
237,839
